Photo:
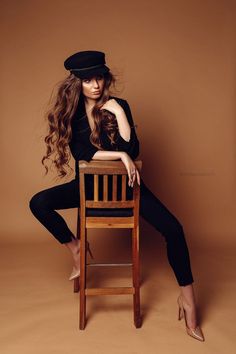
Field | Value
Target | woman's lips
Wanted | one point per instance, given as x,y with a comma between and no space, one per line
96,93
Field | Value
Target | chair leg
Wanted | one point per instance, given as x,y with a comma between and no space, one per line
76,285
136,281
82,278
76,280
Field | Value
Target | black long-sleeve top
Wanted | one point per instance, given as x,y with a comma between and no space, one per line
80,145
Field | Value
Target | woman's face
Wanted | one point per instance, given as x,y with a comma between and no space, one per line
93,87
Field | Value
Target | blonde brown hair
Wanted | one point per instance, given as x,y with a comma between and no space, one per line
63,105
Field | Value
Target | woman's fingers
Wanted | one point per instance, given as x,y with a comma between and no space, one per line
130,178
133,179
129,174
132,171
134,175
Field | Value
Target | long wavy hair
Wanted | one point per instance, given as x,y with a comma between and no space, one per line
63,105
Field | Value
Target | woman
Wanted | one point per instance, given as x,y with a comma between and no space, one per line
89,123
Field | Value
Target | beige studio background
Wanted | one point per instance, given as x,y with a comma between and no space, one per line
176,66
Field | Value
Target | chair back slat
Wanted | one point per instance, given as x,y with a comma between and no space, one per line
105,188
95,192
123,188
114,187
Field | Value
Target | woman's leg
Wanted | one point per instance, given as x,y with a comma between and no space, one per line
155,212
43,205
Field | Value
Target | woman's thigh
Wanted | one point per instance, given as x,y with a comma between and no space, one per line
62,196
156,213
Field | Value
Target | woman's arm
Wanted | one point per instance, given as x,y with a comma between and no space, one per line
82,151
123,125
107,155
89,152
127,139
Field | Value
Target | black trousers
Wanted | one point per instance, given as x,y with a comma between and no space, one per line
64,196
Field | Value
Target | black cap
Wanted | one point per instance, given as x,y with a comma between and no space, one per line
86,63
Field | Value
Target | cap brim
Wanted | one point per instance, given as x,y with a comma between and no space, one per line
90,73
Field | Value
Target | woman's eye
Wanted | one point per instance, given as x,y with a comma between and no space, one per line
99,77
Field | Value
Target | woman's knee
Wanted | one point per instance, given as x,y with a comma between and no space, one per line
174,230
38,201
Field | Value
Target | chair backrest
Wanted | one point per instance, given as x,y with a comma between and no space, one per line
104,169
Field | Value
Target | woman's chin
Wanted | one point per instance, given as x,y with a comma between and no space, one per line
96,97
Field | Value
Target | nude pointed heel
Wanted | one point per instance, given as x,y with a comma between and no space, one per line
75,271
180,313
196,332
90,252
74,274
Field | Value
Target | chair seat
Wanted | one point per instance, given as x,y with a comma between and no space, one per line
119,212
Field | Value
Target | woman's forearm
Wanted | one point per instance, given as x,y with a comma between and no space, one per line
107,155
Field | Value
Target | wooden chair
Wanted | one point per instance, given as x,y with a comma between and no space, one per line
101,212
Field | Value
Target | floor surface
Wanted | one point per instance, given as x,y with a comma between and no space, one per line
39,310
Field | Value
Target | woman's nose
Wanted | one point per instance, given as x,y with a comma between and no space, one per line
95,83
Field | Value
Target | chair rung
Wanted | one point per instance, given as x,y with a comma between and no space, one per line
110,291
109,204
113,222
108,264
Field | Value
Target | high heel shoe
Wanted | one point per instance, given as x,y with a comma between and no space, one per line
88,249
76,272
193,332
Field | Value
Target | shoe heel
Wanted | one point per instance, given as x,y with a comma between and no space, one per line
195,333
180,313
180,309
90,252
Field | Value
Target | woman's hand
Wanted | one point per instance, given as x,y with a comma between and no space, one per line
112,105
131,169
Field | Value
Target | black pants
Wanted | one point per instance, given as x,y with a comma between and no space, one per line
64,196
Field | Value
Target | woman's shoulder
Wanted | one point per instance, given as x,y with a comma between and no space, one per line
120,100
126,107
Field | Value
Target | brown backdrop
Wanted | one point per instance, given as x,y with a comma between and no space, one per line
176,66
